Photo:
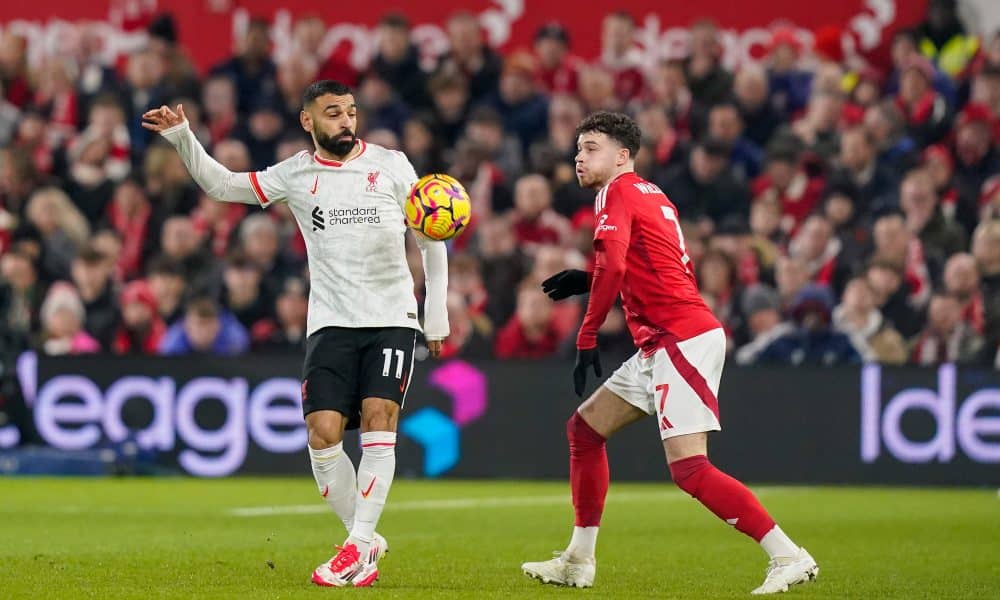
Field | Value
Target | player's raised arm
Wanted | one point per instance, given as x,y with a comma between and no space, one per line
216,180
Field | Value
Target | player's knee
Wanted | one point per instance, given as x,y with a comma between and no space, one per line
379,415
687,473
321,436
581,435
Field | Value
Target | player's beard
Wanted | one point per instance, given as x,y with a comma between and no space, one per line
338,146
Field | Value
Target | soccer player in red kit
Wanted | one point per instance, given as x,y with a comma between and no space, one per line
639,252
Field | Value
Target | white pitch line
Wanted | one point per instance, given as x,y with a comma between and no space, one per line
450,503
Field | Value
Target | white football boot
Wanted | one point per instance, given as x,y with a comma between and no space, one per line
564,569
786,571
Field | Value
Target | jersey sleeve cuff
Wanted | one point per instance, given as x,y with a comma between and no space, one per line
257,190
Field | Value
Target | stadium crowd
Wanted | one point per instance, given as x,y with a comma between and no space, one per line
834,212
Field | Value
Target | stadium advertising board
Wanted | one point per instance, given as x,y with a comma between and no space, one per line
215,417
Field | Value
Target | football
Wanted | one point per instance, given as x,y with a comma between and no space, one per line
438,207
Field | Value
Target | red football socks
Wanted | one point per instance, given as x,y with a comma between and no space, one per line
588,471
726,497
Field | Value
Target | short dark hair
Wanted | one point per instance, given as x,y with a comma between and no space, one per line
395,20
617,126
90,256
202,305
321,87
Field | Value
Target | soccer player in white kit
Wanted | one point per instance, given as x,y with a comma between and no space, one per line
347,198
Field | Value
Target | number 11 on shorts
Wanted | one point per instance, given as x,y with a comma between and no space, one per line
664,422
387,365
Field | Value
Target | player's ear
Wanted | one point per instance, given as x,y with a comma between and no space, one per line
623,157
306,120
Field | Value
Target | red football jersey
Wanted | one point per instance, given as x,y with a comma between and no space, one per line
640,252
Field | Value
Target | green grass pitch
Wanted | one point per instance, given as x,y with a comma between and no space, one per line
260,538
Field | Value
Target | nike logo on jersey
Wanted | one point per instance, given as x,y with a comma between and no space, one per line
367,492
317,218
315,185
402,384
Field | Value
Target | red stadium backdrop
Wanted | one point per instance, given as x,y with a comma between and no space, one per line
208,27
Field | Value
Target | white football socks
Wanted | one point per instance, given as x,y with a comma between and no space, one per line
334,473
777,543
375,473
583,544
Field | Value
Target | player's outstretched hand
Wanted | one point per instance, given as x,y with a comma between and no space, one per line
585,358
564,284
162,118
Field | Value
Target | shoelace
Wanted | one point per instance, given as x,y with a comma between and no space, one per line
346,556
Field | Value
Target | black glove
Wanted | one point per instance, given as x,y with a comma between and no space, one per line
564,284
585,358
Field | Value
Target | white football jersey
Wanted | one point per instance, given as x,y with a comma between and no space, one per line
351,216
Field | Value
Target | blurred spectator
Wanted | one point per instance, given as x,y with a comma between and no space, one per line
470,57
943,39
668,93
820,250
216,222
129,215
858,318
55,96
767,238
167,282
985,88
717,281
761,306
18,179
986,250
905,47
168,185
946,338
205,329
381,106
961,281
179,73
449,93
62,316
524,110
470,336
92,277
597,90
180,243
790,275
558,70
708,81
919,201
251,68
531,332
976,158
62,227
751,92
218,98
397,62
789,85
243,295
288,331
927,114
143,91
141,328
786,182
661,143
725,123
14,75
10,116
817,128
33,137
620,56
897,152
938,163
704,187
295,73
260,243
386,138
465,279
488,139
20,292
813,341
534,221
421,144
851,227
857,164
503,266
262,130
896,244
892,296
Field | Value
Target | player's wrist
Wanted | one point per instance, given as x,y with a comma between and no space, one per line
175,129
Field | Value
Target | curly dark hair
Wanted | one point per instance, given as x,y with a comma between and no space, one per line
617,126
